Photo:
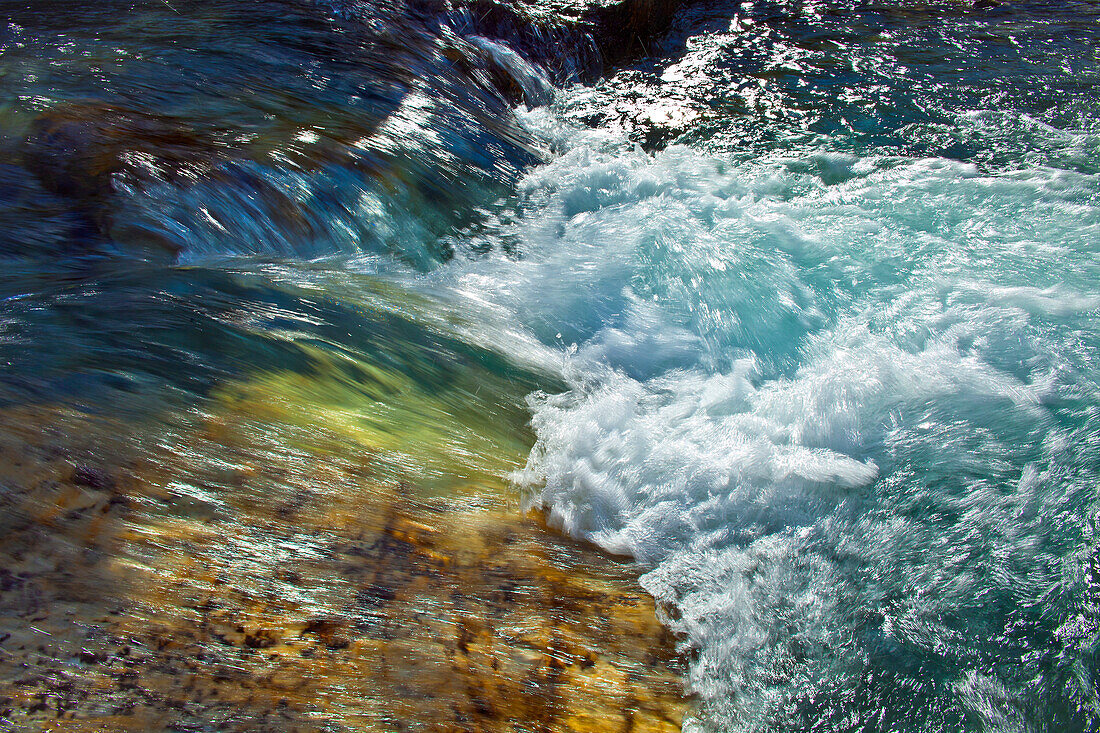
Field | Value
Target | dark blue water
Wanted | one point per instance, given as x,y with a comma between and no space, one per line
995,84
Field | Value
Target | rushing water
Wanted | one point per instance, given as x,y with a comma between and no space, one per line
802,309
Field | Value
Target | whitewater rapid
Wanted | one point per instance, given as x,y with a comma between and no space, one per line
844,409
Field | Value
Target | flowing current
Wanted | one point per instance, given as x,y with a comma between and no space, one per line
811,293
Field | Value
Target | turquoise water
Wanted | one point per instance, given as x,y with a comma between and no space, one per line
804,305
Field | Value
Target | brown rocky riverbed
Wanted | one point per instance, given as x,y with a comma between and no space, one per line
245,573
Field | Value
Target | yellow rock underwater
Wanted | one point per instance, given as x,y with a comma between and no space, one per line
242,570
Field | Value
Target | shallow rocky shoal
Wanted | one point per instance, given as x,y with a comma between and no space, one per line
213,580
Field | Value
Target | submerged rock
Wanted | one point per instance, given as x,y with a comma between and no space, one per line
395,113
86,152
74,149
404,128
626,28
244,587
573,40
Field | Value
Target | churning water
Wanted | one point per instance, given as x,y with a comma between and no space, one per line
805,306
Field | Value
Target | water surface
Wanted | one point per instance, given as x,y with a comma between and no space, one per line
798,314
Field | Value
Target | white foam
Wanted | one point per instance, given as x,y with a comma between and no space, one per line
818,412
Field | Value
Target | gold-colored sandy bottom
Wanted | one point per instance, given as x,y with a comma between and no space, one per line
229,577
